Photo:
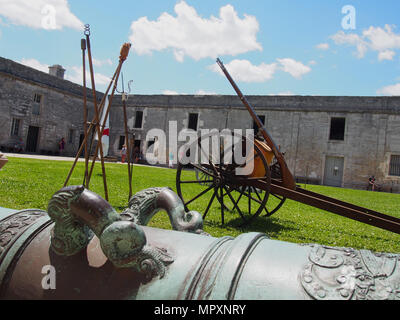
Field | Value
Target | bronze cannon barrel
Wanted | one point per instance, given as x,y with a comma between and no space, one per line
176,265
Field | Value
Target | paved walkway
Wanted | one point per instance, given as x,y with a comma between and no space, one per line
38,156
59,158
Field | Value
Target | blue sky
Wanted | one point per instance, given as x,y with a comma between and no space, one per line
284,47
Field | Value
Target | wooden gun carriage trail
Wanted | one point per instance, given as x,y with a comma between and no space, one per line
266,188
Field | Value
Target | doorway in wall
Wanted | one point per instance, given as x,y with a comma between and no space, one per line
333,171
32,139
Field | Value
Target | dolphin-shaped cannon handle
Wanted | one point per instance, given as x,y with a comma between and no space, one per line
79,213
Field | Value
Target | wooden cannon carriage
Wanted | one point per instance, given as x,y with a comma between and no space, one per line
264,189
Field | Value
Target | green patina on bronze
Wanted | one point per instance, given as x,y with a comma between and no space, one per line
146,203
174,265
79,213
348,274
69,235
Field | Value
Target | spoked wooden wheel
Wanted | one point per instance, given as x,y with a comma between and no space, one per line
275,201
202,177
225,175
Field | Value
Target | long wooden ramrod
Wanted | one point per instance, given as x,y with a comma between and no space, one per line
85,110
287,177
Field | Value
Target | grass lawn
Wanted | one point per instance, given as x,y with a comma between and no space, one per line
30,183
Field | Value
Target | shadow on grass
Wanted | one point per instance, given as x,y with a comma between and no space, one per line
259,224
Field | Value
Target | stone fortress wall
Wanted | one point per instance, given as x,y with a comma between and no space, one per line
338,141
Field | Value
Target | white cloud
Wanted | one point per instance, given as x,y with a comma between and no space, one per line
40,14
170,92
353,40
284,93
189,34
245,71
199,92
322,46
386,55
100,63
35,64
295,68
393,90
382,40
75,74
202,92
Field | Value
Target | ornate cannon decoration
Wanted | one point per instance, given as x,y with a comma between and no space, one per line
83,249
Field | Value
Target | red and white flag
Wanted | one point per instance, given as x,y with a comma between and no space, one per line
105,139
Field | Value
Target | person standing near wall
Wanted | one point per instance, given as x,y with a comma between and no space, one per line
123,153
371,183
171,159
61,146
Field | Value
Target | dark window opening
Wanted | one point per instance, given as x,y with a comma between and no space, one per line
15,127
193,120
255,127
337,129
81,138
139,119
32,139
36,109
136,152
150,143
71,136
394,167
37,98
121,142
